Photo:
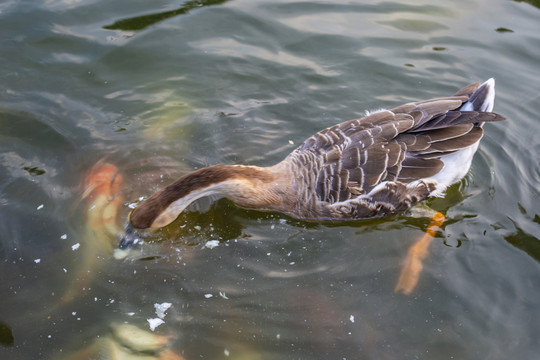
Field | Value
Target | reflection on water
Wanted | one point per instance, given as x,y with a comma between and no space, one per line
141,22
248,87
6,336
526,241
535,3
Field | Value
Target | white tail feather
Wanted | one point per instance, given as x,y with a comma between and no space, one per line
482,99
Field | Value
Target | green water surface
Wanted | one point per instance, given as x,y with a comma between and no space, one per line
159,88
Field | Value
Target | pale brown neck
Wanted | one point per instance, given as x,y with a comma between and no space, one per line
244,185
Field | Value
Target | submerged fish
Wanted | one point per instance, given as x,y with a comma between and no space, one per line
103,201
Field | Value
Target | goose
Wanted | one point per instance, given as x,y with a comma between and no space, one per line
381,164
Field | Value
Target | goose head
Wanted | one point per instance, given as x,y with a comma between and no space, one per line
247,186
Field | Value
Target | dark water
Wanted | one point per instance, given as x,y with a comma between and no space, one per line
160,88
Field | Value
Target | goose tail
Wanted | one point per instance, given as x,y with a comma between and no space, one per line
482,99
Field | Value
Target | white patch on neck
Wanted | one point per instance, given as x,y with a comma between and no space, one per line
168,215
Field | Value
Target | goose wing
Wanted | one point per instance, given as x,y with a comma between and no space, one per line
403,144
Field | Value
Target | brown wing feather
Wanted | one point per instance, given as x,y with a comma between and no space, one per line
404,144
468,90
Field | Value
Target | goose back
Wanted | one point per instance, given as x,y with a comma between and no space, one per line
400,145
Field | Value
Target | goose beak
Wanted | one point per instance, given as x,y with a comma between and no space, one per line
130,238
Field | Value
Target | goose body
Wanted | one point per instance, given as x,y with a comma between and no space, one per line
377,165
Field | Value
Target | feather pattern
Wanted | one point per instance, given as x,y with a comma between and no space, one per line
385,162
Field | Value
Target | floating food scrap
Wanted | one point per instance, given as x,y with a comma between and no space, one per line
154,323
161,308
